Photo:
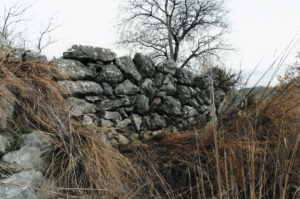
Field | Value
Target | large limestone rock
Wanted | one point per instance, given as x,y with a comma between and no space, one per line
110,74
89,54
144,65
19,185
126,65
33,154
126,88
72,69
81,87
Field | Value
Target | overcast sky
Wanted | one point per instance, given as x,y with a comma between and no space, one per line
260,29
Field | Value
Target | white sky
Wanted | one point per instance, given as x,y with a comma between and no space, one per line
260,28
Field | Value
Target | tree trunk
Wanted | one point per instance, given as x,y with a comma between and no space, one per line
168,22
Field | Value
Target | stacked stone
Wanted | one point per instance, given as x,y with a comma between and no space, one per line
136,95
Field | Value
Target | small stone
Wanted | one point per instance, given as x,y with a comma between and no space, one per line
126,65
155,103
167,67
169,85
105,123
184,94
148,88
171,106
184,76
137,121
113,116
201,81
144,65
80,107
189,111
142,104
110,74
107,89
123,140
126,88
107,105
124,123
159,77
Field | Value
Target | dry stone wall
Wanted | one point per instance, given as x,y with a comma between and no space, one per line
135,95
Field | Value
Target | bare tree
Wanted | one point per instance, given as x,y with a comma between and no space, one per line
182,30
14,17
44,39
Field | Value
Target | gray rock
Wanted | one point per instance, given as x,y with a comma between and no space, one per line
124,123
71,69
169,85
88,120
89,54
126,88
27,180
144,65
113,116
184,76
148,88
114,104
29,55
16,55
193,92
107,89
123,140
183,94
126,65
171,106
36,139
167,67
146,123
94,99
137,121
158,79
110,74
201,81
106,123
193,103
81,87
142,104
28,157
122,112
161,94
157,122
3,42
80,107
4,144
98,66
6,110
155,103
189,111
